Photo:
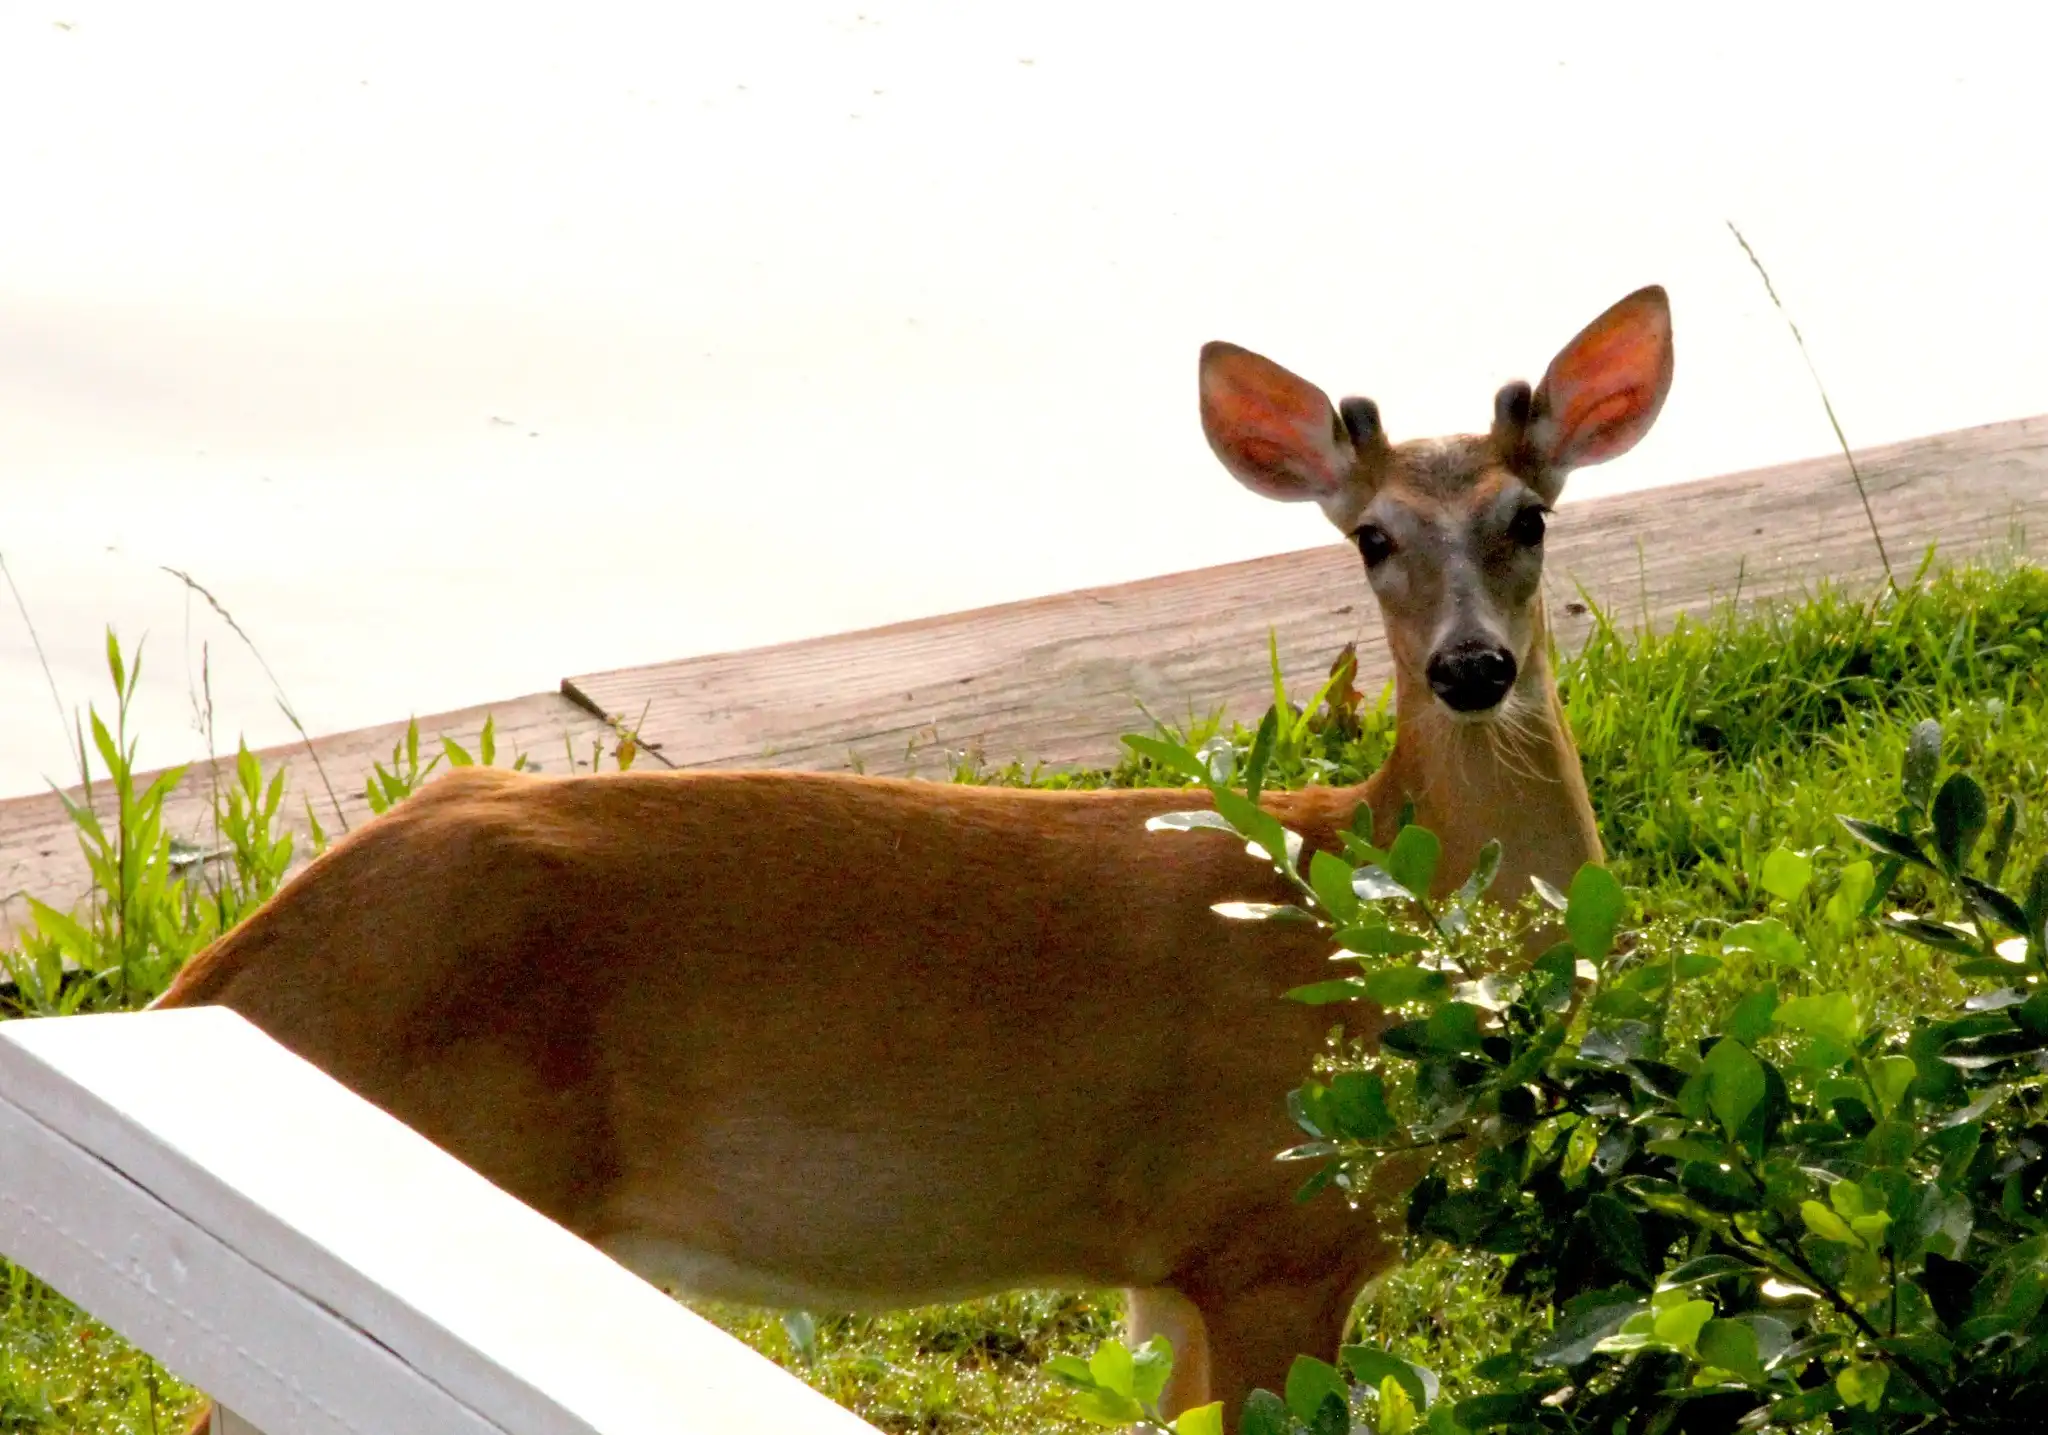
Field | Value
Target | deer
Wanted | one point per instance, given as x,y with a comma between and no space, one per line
841,1042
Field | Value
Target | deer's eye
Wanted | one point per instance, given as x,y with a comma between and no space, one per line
1373,544
1526,527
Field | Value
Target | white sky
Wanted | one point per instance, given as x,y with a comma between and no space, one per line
811,316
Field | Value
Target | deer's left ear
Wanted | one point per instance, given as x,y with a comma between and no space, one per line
1603,390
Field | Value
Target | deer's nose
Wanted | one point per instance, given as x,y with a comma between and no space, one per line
1471,677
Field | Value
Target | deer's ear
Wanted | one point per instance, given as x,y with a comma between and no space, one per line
1274,431
1602,392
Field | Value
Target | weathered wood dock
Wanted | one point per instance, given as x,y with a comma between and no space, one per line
1059,679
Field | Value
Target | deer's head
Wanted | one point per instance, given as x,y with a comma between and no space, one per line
1451,529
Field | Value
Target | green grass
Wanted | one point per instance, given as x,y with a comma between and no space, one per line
1705,747
62,1371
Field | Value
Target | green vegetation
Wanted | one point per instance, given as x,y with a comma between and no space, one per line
1791,1217
1711,751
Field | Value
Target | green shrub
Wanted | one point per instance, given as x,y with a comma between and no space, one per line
1801,1215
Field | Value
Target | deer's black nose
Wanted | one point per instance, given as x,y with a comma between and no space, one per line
1471,677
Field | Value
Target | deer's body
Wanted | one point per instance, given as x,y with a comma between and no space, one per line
841,1042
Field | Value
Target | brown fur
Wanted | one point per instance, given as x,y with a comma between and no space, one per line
865,1042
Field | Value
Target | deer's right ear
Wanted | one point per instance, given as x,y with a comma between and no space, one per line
1274,431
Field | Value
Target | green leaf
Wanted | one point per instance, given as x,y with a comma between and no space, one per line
1412,860
1593,911
1258,827
1960,815
1551,978
1113,1368
1883,839
1705,1268
60,927
1768,938
1358,1100
1579,1150
1150,1367
2031,1015
1261,754
1922,764
1397,1409
1828,1014
1666,1199
1853,888
1988,901
1889,1078
456,753
1373,884
1824,1223
1453,1027
1072,1370
1169,755
1786,873
1202,1420
1750,1019
802,1329
1371,1366
1484,870
1489,1412
2037,908
1731,1345
1264,1414
1309,1383
1689,966
1262,912
1587,1320
2001,842
1618,1235
1938,935
1688,1148
1794,1411
1374,941
1552,898
1735,1084
1863,1384
1106,1407
1200,818
114,661
1330,878
103,742
1396,986
1343,989
1680,1325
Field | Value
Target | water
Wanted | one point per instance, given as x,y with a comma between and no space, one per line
457,355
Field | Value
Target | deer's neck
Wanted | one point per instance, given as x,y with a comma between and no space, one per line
1515,777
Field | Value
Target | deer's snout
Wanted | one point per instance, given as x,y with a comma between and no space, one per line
1471,677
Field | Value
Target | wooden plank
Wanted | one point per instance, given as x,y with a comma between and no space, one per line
321,1267
1059,679
39,853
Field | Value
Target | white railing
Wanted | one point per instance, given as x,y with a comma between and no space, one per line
319,1267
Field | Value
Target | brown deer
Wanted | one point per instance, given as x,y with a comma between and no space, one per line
843,1042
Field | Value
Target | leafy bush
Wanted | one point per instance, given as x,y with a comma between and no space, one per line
1802,1218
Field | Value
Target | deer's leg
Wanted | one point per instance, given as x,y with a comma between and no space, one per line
1255,1334
1161,1310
